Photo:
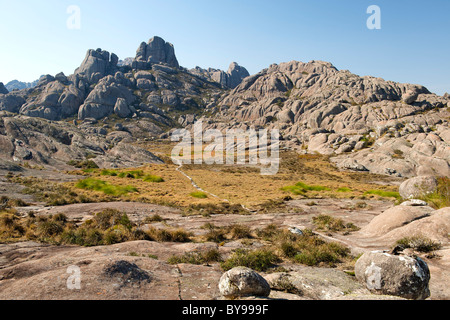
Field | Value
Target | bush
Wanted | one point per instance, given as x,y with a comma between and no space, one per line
419,243
197,258
328,223
166,235
259,260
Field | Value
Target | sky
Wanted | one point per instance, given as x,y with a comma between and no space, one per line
412,46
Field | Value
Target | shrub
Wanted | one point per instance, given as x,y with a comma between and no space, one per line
50,228
166,235
197,258
259,260
419,243
239,231
328,223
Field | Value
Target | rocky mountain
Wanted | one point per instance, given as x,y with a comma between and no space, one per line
362,123
19,85
365,123
230,79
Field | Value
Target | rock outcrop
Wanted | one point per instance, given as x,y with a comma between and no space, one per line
362,123
3,90
365,122
156,51
97,64
230,79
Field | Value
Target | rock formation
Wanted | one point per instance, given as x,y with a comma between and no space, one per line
362,123
3,90
156,51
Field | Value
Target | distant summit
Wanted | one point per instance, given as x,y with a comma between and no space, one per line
19,85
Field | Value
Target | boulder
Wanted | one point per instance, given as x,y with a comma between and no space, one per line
122,109
410,97
418,187
389,274
243,282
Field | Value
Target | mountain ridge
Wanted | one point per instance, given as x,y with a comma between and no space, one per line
316,107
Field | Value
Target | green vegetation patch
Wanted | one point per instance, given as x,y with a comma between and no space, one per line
385,194
301,188
105,187
199,194
441,197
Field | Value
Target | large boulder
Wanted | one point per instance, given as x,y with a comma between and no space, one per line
418,187
243,282
389,274
122,109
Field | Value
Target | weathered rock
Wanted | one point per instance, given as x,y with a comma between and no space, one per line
3,90
102,100
402,276
410,97
154,52
418,187
316,283
236,74
12,102
396,217
122,109
97,64
242,282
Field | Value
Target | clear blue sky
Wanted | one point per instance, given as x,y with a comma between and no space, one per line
412,46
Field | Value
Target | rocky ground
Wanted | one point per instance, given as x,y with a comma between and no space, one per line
139,270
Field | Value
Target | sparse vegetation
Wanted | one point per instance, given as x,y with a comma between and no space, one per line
302,188
105,187
384,194
328,223
212,255
259,260
419,244
441,197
